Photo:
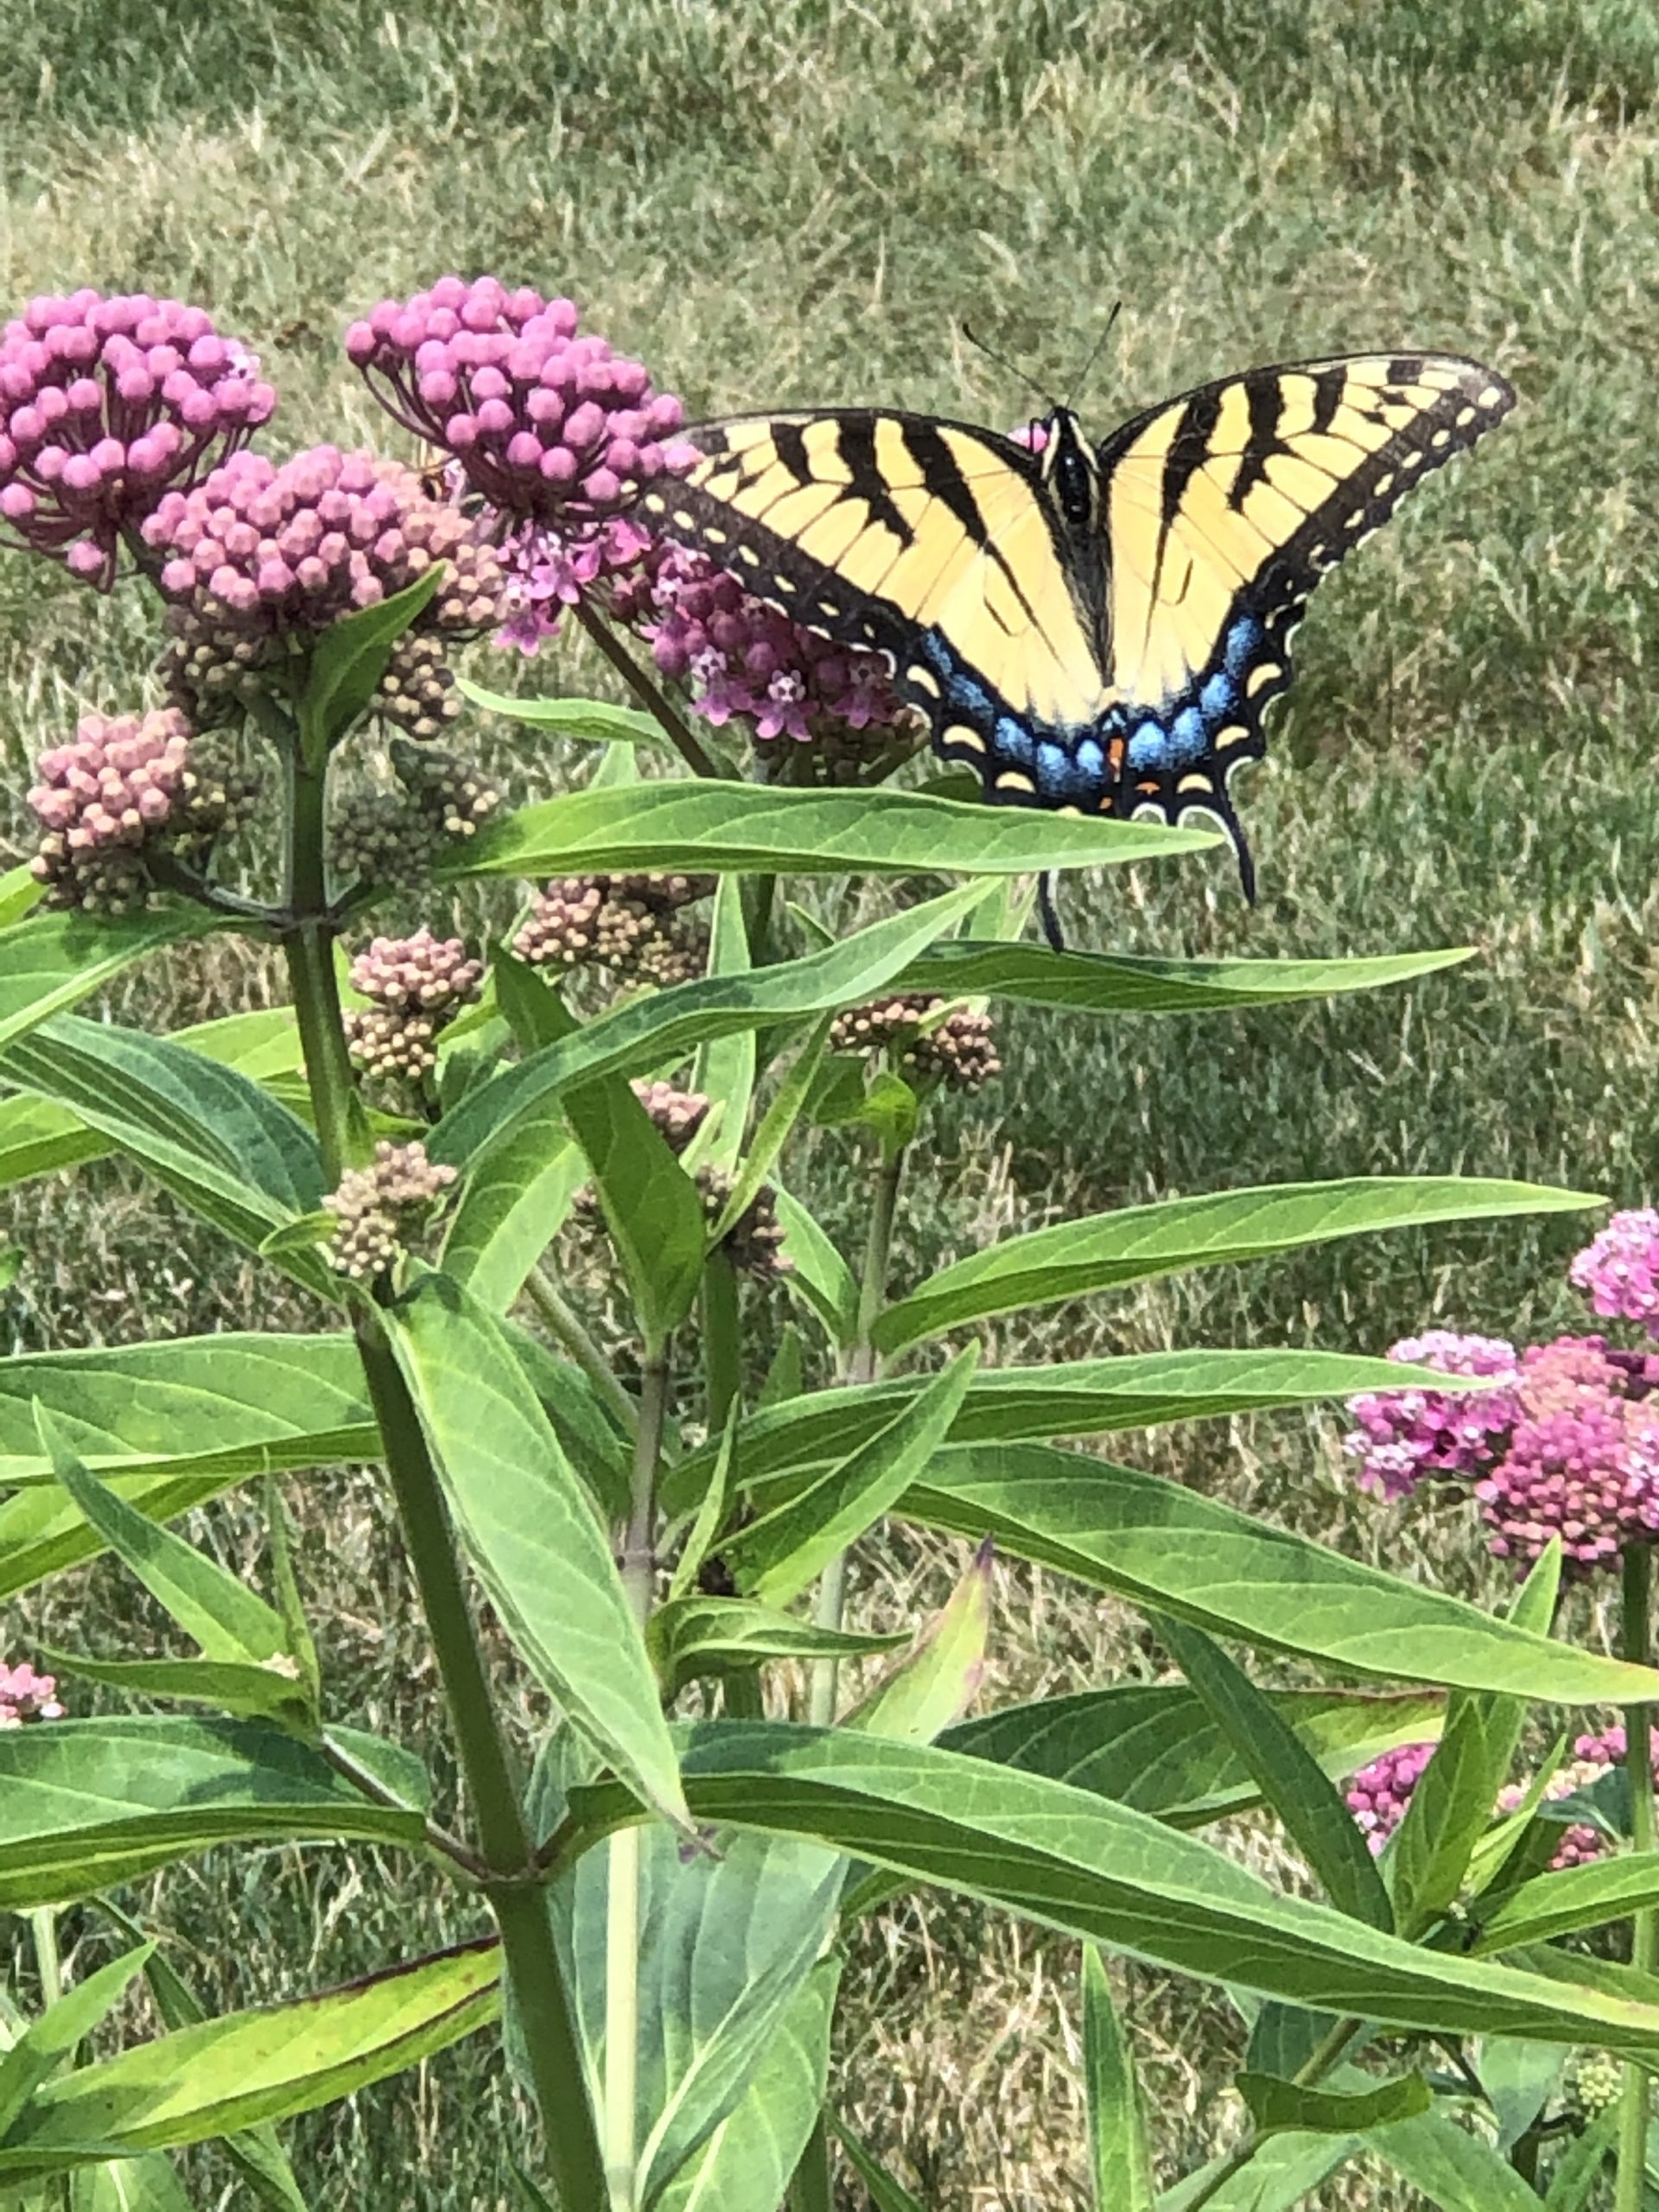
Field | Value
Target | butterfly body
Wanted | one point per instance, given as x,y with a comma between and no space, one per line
1096,630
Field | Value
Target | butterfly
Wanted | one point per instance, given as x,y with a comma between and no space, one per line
1097,631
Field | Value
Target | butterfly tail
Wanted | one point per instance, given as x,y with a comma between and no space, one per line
1051,919
1230,823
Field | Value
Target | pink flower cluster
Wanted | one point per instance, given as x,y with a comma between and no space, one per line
746,660
547,424
117,783
1619,1270
103,402
1402,1438
418,974
272,549
25,1695
1582,1461
1378,1794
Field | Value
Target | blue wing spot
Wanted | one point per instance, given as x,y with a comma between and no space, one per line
1014,741
1057,771
1243,639
1091,759
1149,747
1188,737
1217,696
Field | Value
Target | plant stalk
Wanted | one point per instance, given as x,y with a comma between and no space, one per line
722,1368
863,1365
639,1569
564,1325
650,695
813,2188
1313,2068
1636,1645
48,1960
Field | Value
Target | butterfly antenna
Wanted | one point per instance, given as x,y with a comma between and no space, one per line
1018,375
1096,349
1051,920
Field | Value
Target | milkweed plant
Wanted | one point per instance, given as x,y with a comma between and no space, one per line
446,1137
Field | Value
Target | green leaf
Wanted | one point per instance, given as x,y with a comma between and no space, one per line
1451,2168
1290,1778
243,1403
1278,2175
1120,2162
1517,2078
817,1271
1090,1397
1178,1552
782,1113
47,2042
725,1067
779,1554
652,1031
1096,982
1072,1259
1277,2105
87,1804
229,1687
653,1210
938,1679
692,1636
1579,2166
41,1533
302,1234
147,2184
699,1541
1154,1746
745,2164
513,1205
1091,1869
1453,1803
590,722
215,1139
533,1538
21,892
348,661
694,824
1576,1898
50,962
249,2067
886,2194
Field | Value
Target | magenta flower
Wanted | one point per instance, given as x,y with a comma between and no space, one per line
1406,1437
104,403
1581,1463
1378,1794
743,660
548,424
1619,1270
25,1695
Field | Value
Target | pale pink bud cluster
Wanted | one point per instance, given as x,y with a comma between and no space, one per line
1582,1461
105,401
1402,1438
268,549
376,1206
1378,1794
118,781
1619,1270
25,1695
546,421
746,661
1579,1842
421,973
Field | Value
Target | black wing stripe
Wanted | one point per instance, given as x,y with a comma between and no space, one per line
946,482
1266,402
1189,449
789,443
856,446
1329,388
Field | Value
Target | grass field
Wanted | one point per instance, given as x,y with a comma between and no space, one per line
802,201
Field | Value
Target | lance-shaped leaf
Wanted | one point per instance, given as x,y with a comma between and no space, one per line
783,1110
652,1208
348,661
21,892
87,1804
1137,1243
1277,2105
724,1070
1181,1553
530,1531
818,1273
745,2164
1579,2168
48,2041
1278,2176
41,1533
779,1554
691,1636
886,2194
1451,2168
656,1030
590,722
1454,1801
1089,1397
51,962
1091,1869
245,2067
1289,1777
1576,1898
513,1205
243,1403
697,823
937,1680
1119,2161
1099,982
219,1142
1155,1744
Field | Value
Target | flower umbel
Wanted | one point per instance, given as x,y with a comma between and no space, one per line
956,1048
1406,1437
418,984
1619,1270
1582,1461
25,1695
629,924
378,1206
104,403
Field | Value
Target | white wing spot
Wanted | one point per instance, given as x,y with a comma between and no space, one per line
1384,485
924,679
1465,416
1490,398
1269,672
1412,459
747,553
1012,780
1195,784
960,734
1440,438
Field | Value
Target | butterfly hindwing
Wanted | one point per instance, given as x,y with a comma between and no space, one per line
1224,508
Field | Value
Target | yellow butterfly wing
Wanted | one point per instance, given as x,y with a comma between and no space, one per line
926,540
1223,509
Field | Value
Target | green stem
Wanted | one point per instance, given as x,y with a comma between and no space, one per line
309,946
723,1368
863,1365
650,695
639,1569
1313,2068
562,1321
813,2188
1636,1645
48,1961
